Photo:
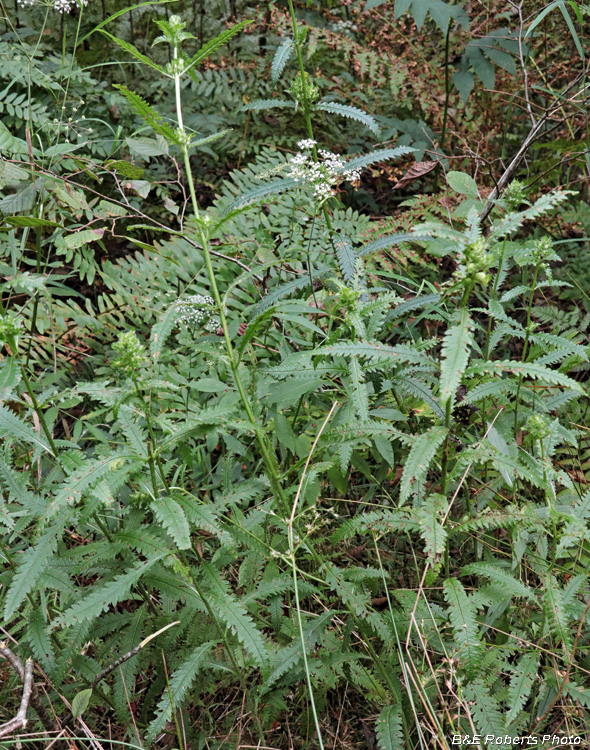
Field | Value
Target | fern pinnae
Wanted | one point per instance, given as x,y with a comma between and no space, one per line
455,354
465,627
353,113
418,462
281,58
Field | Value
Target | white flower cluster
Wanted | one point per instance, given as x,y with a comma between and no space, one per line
198,309
323,175
61,6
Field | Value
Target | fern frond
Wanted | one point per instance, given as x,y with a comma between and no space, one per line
389,241
462,617
259,104
346,259
513,221
485,710
281,58
148,114
556,612
103,595
418,462
385,154
264,191
433,534
216,43
455,356
358,390
389,729
181,682
526,369
12,426
521,683
31,564
501,577
171,515
345,110
135,53
234,615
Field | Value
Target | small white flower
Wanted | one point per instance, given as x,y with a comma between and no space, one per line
306,143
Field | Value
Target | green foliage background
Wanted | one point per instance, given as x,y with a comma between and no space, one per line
294,435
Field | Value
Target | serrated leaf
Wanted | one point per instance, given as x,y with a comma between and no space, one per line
389,729
464,623
346,258
233,614
281,58
171,515
181,682
31,564
271,189
11,425
345,110
455,356
526,369
418,461
103,595
374,157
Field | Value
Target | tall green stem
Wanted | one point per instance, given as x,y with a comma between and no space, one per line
270,463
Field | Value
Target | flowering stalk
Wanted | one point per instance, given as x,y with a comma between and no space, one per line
271,466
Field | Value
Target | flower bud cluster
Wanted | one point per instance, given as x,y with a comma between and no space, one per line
198,309
72,127
538,427
323,175
9,327
515,195
477,262
131,353
303,89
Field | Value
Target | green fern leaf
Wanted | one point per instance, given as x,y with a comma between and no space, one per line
31,564
281,58
389,241
234,615
39,641
385,154
359,395
389,729
455,356
170,514
502,577
400,353
462,618
259,104
161,330
103,595
485,710
272,189
526,369
345,110
216,43
346,259
556,611
134,52
181,682
432,532
12,426
418,461
148,114
421,391
521,683
379,521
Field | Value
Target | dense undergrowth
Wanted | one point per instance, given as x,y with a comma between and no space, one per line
293,383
